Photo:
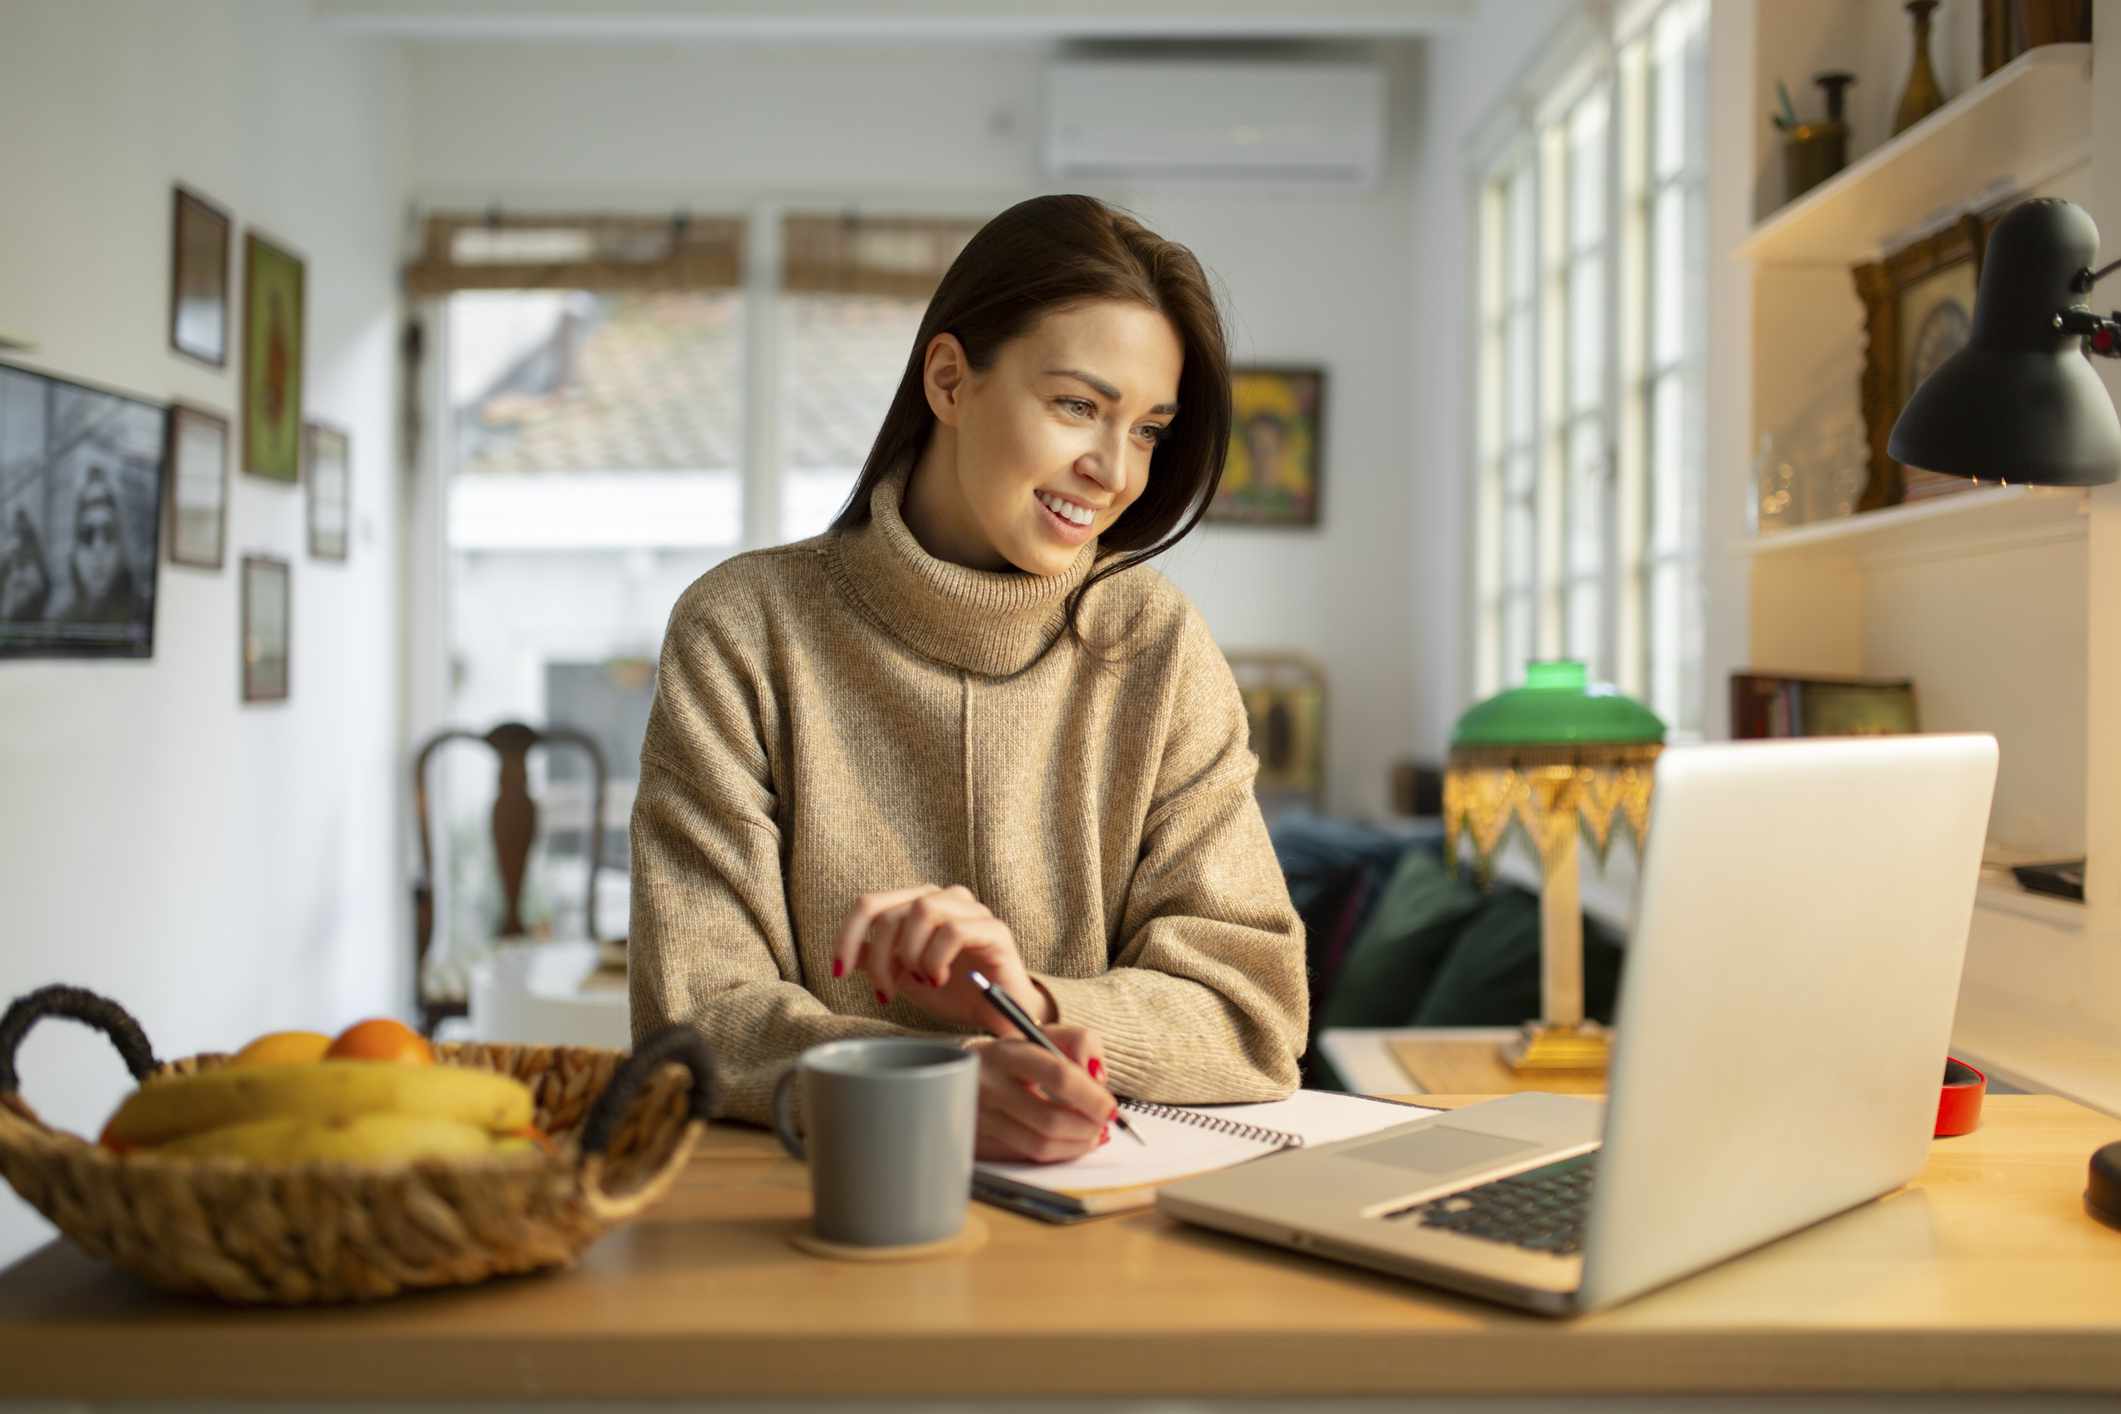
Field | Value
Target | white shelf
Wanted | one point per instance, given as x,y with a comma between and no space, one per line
1960,523
2035,1048
2021,126
2005,896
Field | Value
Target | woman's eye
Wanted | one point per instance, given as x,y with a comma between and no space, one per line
1158,432
1080,406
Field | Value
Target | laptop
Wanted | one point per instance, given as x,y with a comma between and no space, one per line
1784,1011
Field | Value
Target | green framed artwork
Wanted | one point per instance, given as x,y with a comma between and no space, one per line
1277,429
273,324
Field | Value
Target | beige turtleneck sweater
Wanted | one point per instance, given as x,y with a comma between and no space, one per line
846,714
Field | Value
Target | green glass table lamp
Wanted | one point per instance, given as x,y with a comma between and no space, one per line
1557,758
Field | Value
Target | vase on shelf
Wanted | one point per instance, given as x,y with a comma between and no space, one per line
1812,152
1922,96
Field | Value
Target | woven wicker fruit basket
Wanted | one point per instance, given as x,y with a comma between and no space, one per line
622,1128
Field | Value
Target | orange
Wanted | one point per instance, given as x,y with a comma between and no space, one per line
284,1048
535,1135
382,1039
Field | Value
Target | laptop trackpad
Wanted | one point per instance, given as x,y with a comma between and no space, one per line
1438,1149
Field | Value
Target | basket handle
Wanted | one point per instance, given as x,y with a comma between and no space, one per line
680,1043
76,1004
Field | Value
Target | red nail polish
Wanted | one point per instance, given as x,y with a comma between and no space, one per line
1114,1115
882,1000
1106,1137
839,969
1097,1067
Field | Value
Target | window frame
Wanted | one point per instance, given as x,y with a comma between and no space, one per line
1614,64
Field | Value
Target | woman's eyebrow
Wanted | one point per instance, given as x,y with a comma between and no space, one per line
1104,389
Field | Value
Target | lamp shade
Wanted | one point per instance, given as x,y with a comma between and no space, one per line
1557,706
2020,402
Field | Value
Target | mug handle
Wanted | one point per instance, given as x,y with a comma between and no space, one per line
783,1121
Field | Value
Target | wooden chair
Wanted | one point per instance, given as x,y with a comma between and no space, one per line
515,826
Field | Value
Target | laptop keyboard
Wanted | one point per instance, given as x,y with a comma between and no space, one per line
1541,1209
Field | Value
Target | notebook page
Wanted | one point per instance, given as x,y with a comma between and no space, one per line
1176,1150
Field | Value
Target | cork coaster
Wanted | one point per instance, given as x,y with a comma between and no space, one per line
970,1238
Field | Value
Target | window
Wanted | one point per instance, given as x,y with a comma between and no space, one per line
605,383
1591,319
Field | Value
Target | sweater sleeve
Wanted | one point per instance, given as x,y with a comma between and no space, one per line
709,938
1207,998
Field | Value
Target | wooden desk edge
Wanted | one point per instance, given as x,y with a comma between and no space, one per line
1469,1349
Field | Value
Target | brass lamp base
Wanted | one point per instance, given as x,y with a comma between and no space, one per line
1543,1047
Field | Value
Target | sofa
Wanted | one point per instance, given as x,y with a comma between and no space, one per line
1394,939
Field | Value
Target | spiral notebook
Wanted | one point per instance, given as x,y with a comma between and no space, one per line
1183,1140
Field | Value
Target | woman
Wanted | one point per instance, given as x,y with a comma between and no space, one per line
967,728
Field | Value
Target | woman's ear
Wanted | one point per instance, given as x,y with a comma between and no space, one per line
945,370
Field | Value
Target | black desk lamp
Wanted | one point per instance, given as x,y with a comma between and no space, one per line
2020,402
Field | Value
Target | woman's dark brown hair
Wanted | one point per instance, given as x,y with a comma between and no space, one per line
1036,258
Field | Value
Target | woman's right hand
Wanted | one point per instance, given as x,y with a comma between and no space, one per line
1035,1108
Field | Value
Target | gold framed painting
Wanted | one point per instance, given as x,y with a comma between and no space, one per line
1918,310
1277,440
273,324
2010,27
1285,708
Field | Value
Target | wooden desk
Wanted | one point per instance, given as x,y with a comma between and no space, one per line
1984,1275
1440,1060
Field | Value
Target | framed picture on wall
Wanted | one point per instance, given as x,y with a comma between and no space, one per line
1277,439
1918,310
81,476
198,279
330,479
273,281
198,486
265,629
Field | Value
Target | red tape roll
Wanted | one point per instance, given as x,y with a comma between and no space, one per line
1959,1105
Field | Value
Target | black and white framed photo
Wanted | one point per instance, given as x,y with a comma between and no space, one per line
329,472
81,475
198,279
198,487
265,628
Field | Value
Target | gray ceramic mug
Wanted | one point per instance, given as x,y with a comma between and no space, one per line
888,1126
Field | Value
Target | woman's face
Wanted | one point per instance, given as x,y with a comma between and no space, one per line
1052,442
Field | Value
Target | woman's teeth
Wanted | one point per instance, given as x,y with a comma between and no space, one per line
1075,515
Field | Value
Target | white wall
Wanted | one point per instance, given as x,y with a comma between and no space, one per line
218,869
1466,74
1309,278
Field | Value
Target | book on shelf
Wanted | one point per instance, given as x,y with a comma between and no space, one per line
1784,705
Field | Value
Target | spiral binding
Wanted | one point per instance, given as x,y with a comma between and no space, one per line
1255,1132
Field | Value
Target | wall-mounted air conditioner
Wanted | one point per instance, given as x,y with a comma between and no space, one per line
1215,122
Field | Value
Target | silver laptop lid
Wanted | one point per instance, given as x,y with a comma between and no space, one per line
1788,995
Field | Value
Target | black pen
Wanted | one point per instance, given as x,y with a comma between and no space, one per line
1006,1005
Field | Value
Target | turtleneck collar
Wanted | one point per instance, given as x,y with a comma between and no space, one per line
984,621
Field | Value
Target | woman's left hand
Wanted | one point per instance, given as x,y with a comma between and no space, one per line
923,942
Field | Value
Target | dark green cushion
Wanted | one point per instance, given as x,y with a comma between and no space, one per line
1393,959
1490,974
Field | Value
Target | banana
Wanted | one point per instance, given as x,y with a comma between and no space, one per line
360,1139
172,1106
